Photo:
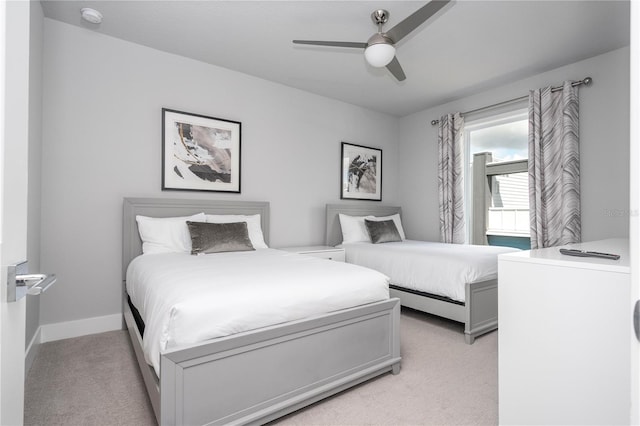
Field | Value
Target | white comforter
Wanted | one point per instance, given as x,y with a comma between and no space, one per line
436,268
185,299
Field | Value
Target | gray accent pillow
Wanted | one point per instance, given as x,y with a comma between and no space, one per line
219,237
382,231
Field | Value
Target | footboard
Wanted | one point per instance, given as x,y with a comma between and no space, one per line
258,376
482,309
479,312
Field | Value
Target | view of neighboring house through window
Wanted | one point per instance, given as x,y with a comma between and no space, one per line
496,189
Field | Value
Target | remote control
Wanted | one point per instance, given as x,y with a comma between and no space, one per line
584,253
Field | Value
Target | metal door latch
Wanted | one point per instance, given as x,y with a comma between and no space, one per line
20,283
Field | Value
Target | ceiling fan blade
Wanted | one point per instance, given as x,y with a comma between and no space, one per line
414,20
332,43
396,69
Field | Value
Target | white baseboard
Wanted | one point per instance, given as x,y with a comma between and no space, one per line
32,350
83,327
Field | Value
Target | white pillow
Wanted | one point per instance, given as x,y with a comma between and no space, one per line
254,227
353,229
396,221
166,234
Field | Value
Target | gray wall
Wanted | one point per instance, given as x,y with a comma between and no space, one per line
102,142
604,147
35,162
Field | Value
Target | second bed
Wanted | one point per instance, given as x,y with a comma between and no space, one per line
454,281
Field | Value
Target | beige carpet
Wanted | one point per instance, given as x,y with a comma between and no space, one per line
89,380
94,380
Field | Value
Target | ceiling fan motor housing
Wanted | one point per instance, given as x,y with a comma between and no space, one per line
379,38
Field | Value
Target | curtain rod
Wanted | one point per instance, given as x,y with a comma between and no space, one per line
586,81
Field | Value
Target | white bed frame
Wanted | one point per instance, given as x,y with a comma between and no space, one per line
479,313
257,376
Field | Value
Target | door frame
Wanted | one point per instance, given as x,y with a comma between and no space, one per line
15,20
634,201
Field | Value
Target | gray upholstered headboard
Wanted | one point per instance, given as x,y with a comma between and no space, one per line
333,234
166,207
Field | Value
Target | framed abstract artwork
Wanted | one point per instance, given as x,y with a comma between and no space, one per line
361,177
200,153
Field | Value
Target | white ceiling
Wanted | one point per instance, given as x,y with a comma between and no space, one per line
467,47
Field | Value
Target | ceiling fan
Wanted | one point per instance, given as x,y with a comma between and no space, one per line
380,50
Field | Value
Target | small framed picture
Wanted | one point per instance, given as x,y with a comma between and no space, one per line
200,153
361,177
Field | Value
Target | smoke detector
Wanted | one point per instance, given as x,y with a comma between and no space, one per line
91,15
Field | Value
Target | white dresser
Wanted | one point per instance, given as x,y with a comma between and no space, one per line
564,333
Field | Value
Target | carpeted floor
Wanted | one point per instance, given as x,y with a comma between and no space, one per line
94,380
89,380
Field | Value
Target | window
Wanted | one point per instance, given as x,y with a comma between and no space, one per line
497,190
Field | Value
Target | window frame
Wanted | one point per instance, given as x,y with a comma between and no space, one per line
515,113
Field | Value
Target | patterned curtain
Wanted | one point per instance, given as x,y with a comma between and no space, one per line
450,187
554,167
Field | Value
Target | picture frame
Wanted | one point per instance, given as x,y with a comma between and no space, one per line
200,153
361,173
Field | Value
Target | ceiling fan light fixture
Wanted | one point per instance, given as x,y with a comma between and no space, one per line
379,55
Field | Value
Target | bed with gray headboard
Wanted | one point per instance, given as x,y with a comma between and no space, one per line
478,312
256,376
